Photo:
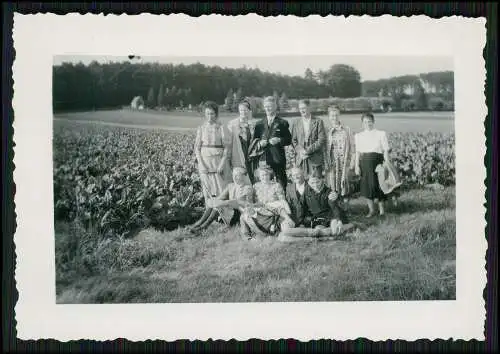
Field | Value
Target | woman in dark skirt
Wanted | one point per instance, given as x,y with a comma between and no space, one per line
372,149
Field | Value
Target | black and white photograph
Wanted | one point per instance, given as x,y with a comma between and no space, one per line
267,181
225,180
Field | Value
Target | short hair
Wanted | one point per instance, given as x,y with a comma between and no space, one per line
212,105
269,99
333,107
305,101
368,115
264,167
241,170
245,102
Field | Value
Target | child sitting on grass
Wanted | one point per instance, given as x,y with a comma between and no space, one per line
324,216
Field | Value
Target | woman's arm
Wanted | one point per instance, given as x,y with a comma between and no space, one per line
226,141
351,147
197,150
385,146
357,167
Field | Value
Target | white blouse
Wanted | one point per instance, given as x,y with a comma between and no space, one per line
371,141
300,188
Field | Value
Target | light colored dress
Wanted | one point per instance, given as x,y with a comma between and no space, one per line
212,145
339,155
266,219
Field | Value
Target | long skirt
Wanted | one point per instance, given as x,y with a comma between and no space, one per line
213,183
370,187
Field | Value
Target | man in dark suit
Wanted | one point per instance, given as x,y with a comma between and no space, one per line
295,196
271,135
322,204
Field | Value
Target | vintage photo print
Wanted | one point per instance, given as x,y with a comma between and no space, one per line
254,177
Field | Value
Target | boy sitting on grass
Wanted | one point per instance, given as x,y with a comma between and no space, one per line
324,217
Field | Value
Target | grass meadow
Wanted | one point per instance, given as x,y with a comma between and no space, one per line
407,255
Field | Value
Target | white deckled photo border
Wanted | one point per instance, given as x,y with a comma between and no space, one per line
38,38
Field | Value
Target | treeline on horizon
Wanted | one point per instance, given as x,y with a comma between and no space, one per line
168,86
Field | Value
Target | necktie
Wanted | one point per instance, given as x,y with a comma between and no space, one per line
247,132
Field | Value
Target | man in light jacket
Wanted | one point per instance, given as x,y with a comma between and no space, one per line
309,140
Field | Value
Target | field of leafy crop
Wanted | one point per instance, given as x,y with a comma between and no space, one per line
118,180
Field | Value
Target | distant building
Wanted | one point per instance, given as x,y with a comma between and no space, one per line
137,103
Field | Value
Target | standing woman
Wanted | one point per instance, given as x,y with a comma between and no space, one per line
212,149
372,149
339,155
241,136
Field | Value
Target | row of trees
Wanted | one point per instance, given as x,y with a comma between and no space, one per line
97,86
440,84
233,98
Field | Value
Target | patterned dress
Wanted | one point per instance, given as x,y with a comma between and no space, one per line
265,220
340,149
212,146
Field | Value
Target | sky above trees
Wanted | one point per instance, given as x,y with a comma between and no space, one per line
369,67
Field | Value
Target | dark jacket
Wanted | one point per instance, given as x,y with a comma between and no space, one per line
320,207
272,154
297,203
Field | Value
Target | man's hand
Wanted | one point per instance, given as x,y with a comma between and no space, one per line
333,196
220,169
356,170
263,143
274,141
302,155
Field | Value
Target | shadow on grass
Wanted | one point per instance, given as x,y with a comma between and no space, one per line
415,201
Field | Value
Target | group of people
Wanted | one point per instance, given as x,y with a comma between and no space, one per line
243,174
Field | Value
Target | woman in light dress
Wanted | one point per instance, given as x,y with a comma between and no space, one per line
212,149
372,150
270,212
242,130
340,154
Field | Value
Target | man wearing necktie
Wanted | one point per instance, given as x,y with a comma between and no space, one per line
308,141
271,135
